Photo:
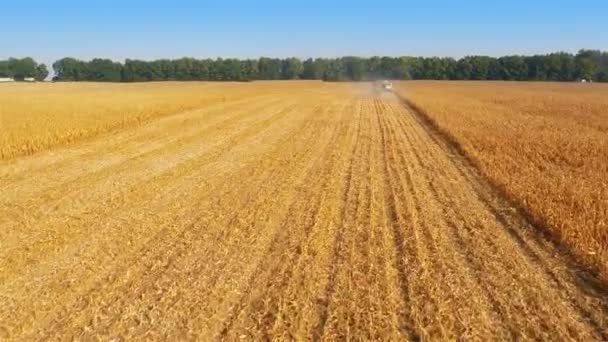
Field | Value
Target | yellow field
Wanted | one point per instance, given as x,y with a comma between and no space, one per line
545,145
277,210
35,117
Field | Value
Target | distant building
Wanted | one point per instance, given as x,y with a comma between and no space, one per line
29,79
6,79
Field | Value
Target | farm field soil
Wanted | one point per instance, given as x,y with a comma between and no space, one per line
321,212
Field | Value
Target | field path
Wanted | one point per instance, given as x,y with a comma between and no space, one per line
320,215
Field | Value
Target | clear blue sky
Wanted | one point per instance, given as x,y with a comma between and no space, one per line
48,30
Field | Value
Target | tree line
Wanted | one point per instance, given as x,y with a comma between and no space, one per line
22,68
589,65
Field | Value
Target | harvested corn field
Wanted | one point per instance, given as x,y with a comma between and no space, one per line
320,211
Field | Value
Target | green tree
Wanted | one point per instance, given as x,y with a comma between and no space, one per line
479,67
183,69
69,69
200,70
559,66
335,70
4,69
513,68
389,67
249,69
270,68
354,68
215,69
374,68
21,68
592,64
464,68
103,70
588,64
307,69
135,71
536,68
292,68
319,67
166,69
436,68
231,70
42,72
416,67
405,68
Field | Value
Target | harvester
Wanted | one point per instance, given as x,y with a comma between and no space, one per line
387,86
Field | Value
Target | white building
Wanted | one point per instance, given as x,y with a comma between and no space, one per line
6,79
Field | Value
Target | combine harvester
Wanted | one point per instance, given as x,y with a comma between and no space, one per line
387,85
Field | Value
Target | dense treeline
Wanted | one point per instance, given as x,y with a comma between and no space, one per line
586,64
22,68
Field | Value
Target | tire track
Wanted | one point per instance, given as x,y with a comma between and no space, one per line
441,257
395,221
291,242
340,293
336,252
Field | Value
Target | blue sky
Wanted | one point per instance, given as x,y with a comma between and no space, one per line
48,30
